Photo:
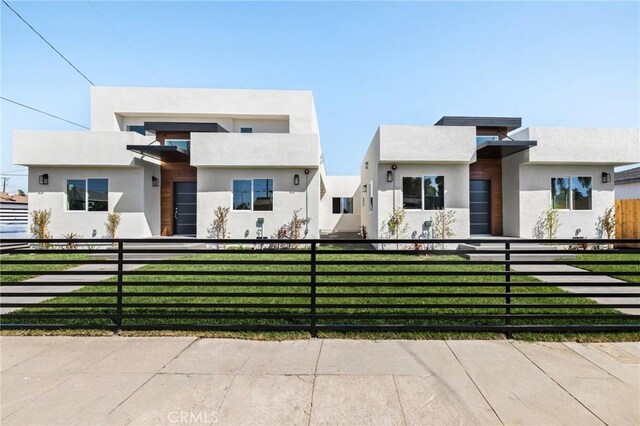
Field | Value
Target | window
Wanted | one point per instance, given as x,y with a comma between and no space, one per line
370,189
246,129
342,205
433,192
96,191
263,194
138,128
180,143
481,139
423,193
256,194
411,193
571,193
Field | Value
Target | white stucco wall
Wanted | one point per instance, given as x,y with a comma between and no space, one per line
535,198
63,148
456,196
369,173
130,193
340,186
110,106
627,191
427,143
214,190
254,149
511,194
581,145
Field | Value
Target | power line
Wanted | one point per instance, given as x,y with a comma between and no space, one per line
50,45
125,42
43,112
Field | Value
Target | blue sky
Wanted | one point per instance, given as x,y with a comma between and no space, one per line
554,64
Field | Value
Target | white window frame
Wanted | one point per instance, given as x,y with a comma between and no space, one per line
252,210
86,195
422,209
570,209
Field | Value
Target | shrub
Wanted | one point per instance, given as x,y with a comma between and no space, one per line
547,225
112,223
442,227
218,229
71,244
290,231
606,224
394,226
363,232
40,220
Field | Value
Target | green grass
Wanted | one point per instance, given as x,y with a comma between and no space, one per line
424,296
4,268
618,270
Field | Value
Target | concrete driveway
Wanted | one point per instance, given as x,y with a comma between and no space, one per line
183,380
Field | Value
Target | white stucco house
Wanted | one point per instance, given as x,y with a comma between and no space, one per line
167,158
628,184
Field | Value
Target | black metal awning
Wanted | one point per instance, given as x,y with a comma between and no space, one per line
502,148
169,154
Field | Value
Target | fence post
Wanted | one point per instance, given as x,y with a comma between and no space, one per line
314,318
507,287
119,298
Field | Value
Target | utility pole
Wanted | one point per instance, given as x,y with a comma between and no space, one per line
4,184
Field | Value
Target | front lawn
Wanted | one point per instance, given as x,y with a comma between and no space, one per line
36,267
618,270
424,281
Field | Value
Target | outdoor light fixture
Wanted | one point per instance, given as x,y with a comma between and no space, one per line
606,177
366,164
389,176
306,171
43,179
296,179
155,181
364,188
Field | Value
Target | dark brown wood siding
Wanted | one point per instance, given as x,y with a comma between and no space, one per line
491,169
170,173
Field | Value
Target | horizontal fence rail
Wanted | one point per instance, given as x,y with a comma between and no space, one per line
455,285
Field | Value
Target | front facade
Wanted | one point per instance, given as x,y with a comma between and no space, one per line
165,159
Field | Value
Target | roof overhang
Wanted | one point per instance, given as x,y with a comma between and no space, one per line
164,126
169,154
502,148
510,123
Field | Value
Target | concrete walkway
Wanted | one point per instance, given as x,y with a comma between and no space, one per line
532,269
183,380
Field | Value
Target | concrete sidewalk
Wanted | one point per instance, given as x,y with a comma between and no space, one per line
183,380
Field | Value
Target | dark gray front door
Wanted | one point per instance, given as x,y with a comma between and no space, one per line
184,208
480,206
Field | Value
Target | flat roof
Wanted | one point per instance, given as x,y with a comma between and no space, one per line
511,123
164,126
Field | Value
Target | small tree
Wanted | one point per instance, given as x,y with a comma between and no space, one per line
606,224
442,227
218,228
21,193
112,223
551,223
39,228
395,226
290,231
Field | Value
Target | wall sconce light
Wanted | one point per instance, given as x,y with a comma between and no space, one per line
606,177
155,181
43,179
366,165
389,176
364,188
296,179
306,171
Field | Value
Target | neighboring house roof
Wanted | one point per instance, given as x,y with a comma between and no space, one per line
13,198
627,176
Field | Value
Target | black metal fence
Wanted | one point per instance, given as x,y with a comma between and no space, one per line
502,286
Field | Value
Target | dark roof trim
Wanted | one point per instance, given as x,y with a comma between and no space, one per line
161,126
161,152
510,123
502,148
627,176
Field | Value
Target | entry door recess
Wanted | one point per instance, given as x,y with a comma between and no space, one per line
480,206
184,208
